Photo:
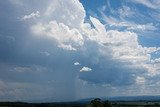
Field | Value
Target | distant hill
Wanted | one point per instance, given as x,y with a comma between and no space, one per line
87,100
126,98
135,98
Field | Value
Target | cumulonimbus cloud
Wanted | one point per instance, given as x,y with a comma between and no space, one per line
114,58
72,33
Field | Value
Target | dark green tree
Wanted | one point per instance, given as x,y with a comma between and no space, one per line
96,103
107,104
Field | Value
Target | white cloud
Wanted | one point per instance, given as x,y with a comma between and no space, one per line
31,16
151,49
157,60
67,47
45,53
69,39
98,26
140,80
120,49
22,69
66,26
122,46
77,63
71,13
145,27
62,24
125,11
111,21
85,69
154,4
34,68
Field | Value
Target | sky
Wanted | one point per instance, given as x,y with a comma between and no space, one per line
66,50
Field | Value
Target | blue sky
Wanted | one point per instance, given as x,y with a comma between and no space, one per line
67,50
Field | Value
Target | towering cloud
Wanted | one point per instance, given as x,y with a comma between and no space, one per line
46,52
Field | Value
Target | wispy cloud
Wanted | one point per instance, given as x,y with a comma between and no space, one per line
125,11
128,25
148,3
45,53
31,16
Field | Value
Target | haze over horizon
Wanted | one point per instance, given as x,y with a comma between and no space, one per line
75,49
